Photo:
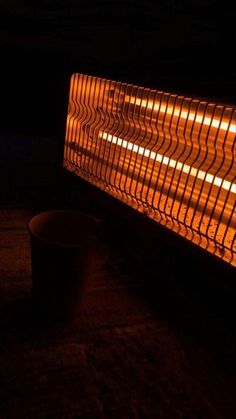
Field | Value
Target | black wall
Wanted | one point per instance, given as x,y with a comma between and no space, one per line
184,47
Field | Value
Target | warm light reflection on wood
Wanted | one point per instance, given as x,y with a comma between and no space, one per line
169,156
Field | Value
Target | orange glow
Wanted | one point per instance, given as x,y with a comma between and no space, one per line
177,112
200,174
169,156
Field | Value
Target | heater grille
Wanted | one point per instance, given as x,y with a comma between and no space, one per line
170,157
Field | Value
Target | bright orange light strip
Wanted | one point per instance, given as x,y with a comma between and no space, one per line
200,174
170,110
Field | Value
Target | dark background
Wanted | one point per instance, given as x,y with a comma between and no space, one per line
184,47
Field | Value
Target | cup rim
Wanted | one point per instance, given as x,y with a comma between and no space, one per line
56,243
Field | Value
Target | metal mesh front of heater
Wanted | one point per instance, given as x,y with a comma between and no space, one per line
171,157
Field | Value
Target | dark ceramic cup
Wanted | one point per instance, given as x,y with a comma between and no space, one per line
62,255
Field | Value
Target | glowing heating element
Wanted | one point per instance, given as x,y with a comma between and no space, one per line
168,156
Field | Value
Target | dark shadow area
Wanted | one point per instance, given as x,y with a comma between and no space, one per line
179,47
188,286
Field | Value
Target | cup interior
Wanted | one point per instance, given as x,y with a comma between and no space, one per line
63,228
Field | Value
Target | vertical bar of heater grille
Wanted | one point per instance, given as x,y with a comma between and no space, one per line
133,156
143,123
114,149
185,161
232,119
126,136
89,126
88,104
140,94
156,194
110,148
80,140
169,193
70,119
179,175
187,217
204,212
120,133
145,200
102,148
165,182
151,199
95,137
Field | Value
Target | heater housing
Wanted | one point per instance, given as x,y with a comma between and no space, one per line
168,156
